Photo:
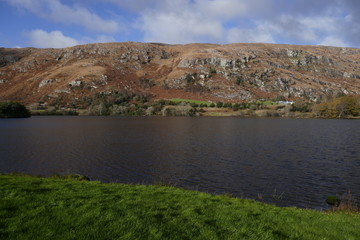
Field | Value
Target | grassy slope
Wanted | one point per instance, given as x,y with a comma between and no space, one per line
177,100
37,208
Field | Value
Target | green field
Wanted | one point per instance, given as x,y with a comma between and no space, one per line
266,102
178,100
39,208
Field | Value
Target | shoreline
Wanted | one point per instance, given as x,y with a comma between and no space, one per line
83,178
200,116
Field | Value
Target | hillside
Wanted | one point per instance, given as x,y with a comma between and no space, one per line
228,73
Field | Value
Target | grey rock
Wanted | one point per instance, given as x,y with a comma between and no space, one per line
62,91
75,83
46,82
150,111
293,53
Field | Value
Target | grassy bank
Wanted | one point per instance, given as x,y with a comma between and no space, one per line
38,208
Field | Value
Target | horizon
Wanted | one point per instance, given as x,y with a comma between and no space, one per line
184,44
67,23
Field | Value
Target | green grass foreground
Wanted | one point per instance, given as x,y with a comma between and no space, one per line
45,208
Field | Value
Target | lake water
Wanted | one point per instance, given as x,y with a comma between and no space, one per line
289,162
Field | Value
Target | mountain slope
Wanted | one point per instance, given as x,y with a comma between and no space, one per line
233,72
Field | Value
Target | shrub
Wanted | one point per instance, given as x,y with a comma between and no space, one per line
348,203
161,102
333,200
239,80
190,78
280,98
202,105
219,104
236,107
194,105
227,105
301,106
212,71
253,107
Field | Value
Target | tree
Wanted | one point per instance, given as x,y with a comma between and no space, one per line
339,107
13,110
346,106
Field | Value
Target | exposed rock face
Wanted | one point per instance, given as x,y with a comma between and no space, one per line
233,72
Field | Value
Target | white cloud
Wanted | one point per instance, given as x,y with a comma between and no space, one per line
331,22
98,39
56,11
333,41
55,39
221,9
104,39
179,28
324,24
255,35
134,5
184,21
223,21
291,28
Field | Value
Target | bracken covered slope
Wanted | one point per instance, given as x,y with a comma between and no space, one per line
233,72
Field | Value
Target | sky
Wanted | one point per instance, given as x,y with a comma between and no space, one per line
65,23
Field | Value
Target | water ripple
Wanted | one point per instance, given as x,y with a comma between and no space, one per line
289,162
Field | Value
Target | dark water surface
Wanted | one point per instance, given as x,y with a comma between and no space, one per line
290,162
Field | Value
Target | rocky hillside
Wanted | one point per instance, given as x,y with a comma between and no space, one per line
233,72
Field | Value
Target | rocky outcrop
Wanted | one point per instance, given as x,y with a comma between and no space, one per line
46,82
8,59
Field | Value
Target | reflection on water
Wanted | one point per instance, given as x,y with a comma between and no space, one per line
301,161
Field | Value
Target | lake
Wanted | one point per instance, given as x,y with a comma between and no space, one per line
288,162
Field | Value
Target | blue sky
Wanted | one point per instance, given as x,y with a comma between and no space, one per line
64,23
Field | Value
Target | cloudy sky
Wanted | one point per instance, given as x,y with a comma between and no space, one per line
63,23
